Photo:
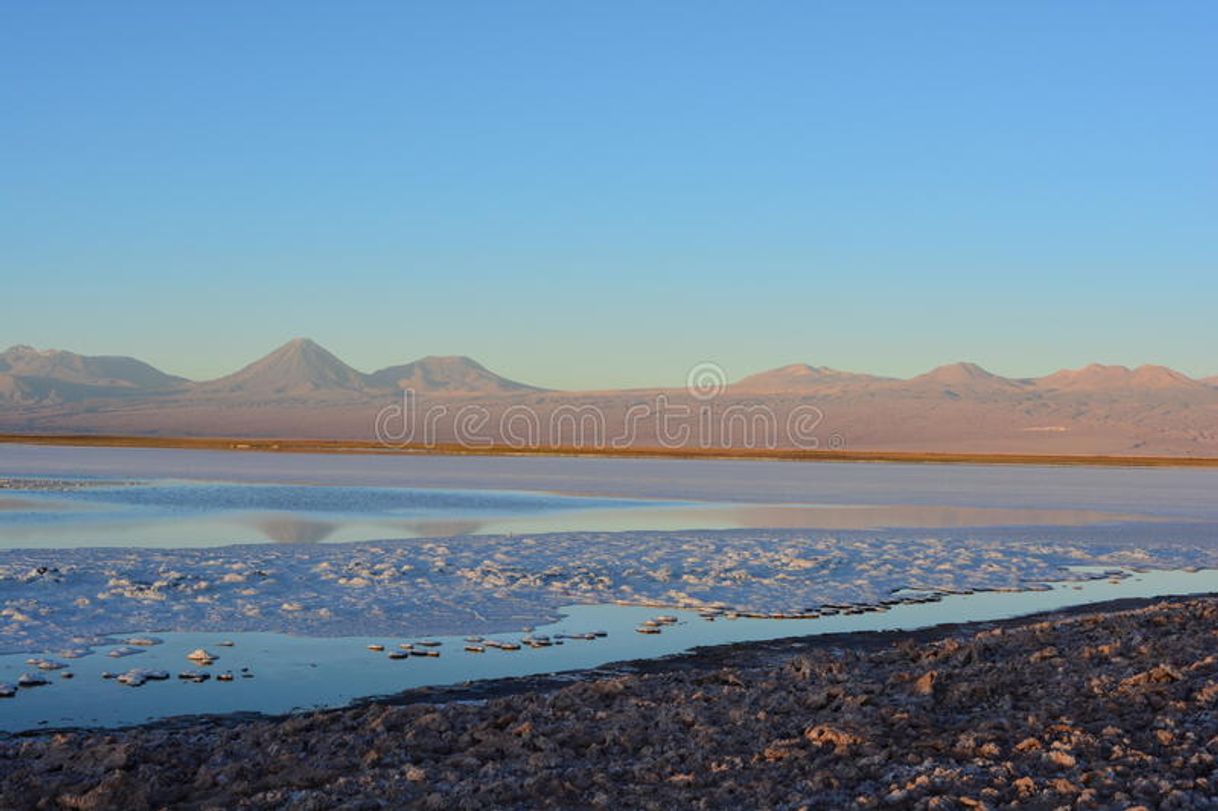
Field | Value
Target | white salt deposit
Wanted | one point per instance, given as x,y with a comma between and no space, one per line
485,584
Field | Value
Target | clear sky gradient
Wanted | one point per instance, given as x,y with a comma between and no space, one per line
602,194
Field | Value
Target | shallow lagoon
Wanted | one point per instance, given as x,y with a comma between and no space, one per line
68,512
176,514
53,497
1172,492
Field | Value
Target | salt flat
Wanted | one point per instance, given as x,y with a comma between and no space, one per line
53,599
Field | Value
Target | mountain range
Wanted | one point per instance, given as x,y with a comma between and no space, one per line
964,378
301,368
303,390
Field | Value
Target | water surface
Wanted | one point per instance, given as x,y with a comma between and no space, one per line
295,673
73,497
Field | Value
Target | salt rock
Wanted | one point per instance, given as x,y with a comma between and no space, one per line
124,650
202,656
137,676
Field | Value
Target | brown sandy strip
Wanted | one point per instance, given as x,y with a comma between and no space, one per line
300,445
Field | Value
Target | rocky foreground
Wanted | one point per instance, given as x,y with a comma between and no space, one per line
1108,710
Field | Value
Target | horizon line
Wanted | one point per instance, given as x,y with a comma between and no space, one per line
967,365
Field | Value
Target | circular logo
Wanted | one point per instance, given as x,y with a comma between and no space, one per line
706,381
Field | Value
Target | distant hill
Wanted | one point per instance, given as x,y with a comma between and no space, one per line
52,376
86,370
951,380
801,377
963,378
299,367
1098,377
449,374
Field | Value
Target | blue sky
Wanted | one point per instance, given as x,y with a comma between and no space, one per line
586,194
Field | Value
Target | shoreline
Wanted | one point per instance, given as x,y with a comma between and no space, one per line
701,659
363,447
751,654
